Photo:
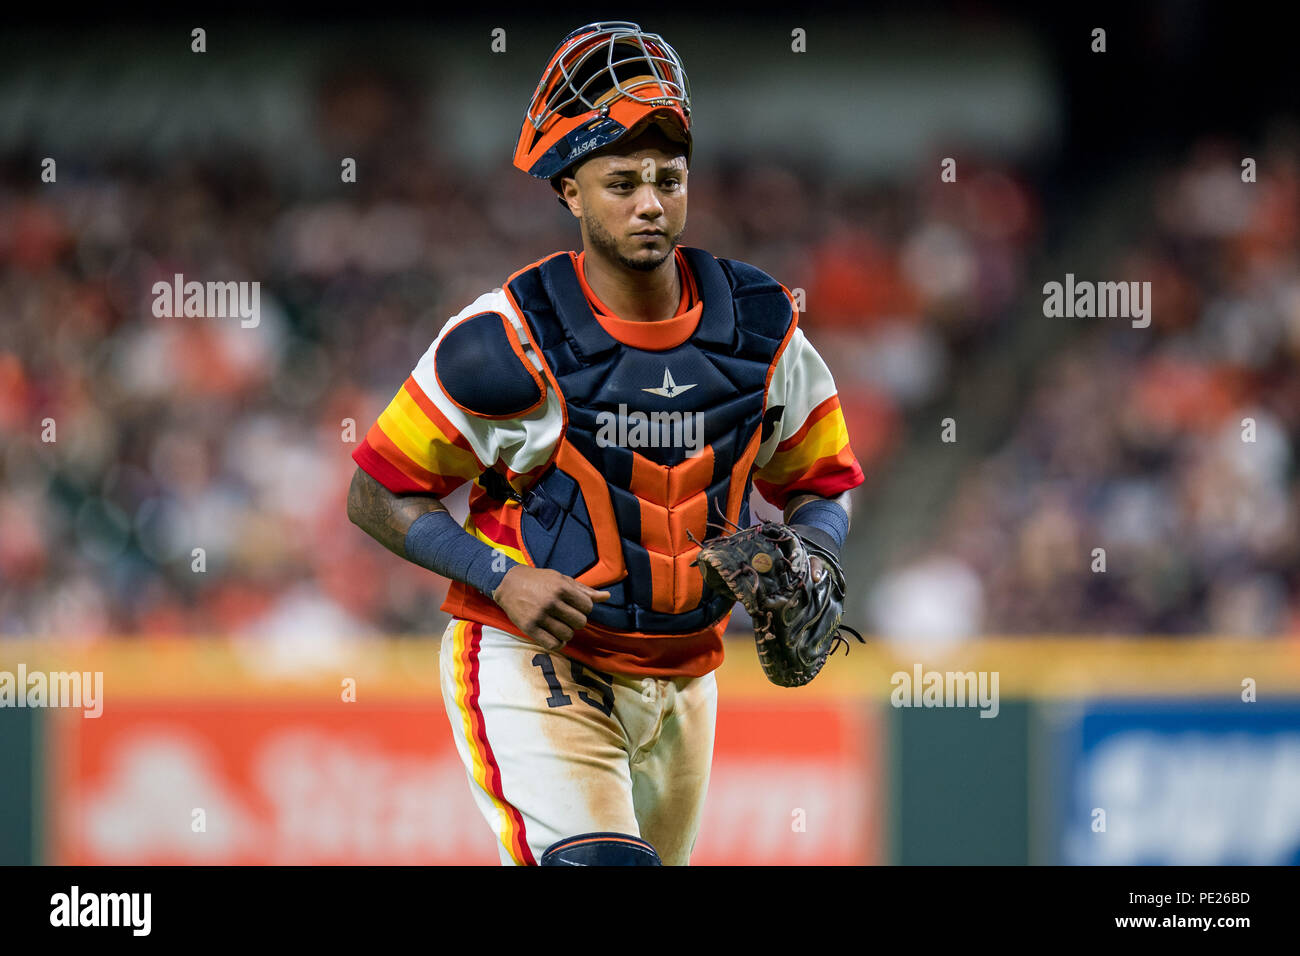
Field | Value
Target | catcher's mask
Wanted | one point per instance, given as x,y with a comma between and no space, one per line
604,81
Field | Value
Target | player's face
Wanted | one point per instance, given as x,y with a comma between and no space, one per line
633,207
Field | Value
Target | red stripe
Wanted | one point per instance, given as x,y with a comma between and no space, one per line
387,449
383,471
520,850
489,524
392,468
828,477
831,486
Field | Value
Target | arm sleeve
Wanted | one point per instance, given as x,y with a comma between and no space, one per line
808,451
423,442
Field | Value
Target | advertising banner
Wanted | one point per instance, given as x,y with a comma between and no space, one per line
300,782
1184,782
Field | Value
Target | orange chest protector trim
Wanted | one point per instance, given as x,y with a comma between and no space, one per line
657,444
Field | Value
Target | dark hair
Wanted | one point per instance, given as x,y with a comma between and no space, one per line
555,184
619,147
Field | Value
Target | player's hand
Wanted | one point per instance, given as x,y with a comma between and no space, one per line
546,605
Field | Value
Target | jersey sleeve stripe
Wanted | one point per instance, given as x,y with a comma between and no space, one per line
423,411
839,478
408,450
826,439
429,410
815,417
378,446
429,442
390,466
829,479
424,443
373,463
816,460
412,439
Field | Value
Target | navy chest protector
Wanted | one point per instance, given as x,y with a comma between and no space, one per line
658,443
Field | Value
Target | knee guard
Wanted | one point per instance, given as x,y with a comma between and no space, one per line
600,849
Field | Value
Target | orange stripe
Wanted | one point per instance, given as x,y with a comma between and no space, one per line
740,476
378,439
842,460
449,431
821,411
421,441
563,846
383,471
828,439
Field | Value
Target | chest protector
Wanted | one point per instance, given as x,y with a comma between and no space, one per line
658,444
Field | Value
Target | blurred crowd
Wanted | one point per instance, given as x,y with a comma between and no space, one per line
1147,485
188,475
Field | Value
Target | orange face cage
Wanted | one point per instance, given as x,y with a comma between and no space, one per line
603,81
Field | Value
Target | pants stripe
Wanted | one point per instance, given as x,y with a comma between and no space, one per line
487,774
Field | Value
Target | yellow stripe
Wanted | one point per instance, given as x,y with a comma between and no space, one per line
422,441
826,439
509,552
462,637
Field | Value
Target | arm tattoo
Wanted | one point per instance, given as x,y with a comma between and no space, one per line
385,516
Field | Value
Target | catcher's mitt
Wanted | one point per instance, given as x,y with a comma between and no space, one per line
796,619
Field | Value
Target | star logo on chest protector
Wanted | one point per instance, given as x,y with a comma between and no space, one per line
669,389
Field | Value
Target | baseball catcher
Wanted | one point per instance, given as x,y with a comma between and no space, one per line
602,403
